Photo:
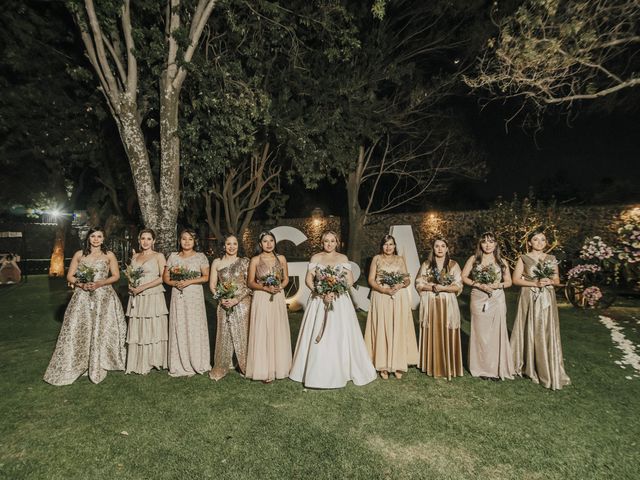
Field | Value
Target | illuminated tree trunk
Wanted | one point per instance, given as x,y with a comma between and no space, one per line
56,265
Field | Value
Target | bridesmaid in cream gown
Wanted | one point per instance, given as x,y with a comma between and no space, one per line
390,335
188,332
269,352
440,348
92,337
535,339
489,351
233,313
147,311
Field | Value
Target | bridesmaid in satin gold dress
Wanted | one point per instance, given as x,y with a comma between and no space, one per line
490,355
535,339
440,347
233,313
389,334
269,353
92,336
148,333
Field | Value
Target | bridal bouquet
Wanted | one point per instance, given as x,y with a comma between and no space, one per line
271,279
330,280
485,275
134,275
179,273
441,277
391,279
85,273
544,269
225,290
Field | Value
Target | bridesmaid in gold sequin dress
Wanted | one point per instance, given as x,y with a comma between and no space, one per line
489,351
92,337
535,339
440,346
188,332
233,313
147,311
389,334
269,351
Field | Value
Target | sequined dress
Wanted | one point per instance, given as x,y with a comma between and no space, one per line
233,325
92,336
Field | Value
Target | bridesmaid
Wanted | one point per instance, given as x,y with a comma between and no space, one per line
188,333
390,335
535,339
440,348
269,352
489,351
92,337
147,311
233,313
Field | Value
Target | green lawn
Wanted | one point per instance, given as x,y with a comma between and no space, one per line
156,427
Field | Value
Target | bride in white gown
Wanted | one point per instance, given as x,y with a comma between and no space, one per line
330,350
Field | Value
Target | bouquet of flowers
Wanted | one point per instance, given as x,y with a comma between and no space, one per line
595,248
544,269
85,273
441,277
271,279
485,274
330,280
134,275
225,290
179,273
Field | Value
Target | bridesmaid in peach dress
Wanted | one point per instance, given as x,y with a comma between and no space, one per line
269,353
439,283
148,332
535,339
390,335
189,351
490,355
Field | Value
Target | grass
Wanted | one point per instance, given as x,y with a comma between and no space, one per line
156,427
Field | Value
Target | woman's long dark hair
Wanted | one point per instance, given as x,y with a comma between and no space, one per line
384,240
259,246
432,258
496,252
86,251
193,234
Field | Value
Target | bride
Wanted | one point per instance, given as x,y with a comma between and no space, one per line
330,350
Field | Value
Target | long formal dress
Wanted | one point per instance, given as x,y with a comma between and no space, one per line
340,355
188,333
489,350
148,333
440,347
269,351
390,336
535,339
92,337
233,325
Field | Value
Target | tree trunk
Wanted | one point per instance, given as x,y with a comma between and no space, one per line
356,216
56,266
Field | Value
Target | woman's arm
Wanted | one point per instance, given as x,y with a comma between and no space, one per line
373,280
285,271
114,270
506,275
213,275
251,276
73,268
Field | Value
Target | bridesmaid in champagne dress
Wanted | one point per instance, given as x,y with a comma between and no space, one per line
390,335
489,351
535,339
92,337
330,350
147,311
188,333
269,352
439,283
233,313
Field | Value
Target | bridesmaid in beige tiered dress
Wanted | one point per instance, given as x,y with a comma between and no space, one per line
269,352
233,313
490,355
147,311
440,349
535,339
92,337
390,335
188,333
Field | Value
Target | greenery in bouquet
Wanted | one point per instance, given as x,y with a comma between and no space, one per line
330,279
391,279
544,269
485,274
441,277
179,273
225,291
85,273
134,275
271,279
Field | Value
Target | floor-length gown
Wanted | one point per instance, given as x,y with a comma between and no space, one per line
341,355
188,333
148,333
390,335
489,350
92,336
233,325
440,346
269,351
535,339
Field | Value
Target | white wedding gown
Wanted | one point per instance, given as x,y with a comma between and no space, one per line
341,355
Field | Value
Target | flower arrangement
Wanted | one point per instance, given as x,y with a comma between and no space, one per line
591,296
595,248
391,279
629,237
134,275
85,273
330,279
179,273
441,277
580,270
544,269
225,290
271,279
485,274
